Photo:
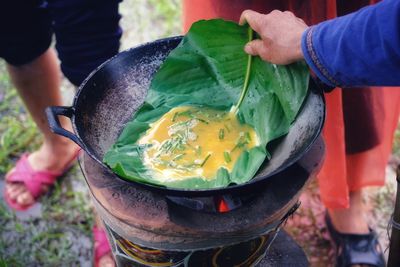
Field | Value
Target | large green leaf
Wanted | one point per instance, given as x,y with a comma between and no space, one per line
208,68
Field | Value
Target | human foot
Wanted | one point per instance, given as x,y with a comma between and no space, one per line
356,250
102,250
106,261
47,162
356,244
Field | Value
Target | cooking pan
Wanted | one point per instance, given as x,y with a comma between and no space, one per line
113,92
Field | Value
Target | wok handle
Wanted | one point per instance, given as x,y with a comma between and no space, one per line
52,114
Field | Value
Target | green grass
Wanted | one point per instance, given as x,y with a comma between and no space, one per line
56,237
396,142
169,11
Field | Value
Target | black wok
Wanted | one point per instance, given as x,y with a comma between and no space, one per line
114,91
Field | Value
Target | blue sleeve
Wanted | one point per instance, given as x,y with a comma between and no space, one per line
362,48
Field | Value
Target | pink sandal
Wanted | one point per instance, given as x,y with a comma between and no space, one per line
33,180
101,245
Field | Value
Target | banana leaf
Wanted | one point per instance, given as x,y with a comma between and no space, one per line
210,68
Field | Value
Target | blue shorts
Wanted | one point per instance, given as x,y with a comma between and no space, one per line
87,32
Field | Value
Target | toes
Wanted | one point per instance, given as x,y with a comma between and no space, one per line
106,261
12,186
14,190
19,193
25,199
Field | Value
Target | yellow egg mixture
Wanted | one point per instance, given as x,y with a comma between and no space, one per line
195,142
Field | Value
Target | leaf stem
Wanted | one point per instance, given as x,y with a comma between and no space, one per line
247,76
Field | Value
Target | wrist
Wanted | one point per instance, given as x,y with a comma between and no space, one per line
299,47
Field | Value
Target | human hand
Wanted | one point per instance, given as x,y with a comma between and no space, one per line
280,34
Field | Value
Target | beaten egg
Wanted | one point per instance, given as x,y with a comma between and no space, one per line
192,141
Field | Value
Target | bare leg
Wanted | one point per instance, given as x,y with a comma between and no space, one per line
351,220
38,84
107,260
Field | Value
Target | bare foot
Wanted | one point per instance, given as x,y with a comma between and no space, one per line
107,261
49,159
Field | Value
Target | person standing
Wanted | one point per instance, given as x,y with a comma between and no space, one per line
87,33
358,131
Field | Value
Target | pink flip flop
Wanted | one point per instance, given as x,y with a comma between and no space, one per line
101,245
33,180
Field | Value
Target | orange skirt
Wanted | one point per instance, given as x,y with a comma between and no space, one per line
341,172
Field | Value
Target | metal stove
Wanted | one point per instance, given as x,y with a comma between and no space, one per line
150,229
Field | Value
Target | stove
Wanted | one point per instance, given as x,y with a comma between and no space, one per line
150,229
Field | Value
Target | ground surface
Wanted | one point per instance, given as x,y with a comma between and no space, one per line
57,232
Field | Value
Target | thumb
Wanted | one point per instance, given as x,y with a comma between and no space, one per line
255,47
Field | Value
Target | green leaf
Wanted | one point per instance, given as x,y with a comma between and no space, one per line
210,68
247,76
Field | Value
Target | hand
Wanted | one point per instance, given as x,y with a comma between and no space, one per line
280,34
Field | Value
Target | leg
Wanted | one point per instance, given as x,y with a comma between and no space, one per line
350,220
87,34
34,71
38,84
356,244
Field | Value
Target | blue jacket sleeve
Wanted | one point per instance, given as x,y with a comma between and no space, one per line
362,48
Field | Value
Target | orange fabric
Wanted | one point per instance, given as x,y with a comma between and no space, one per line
334,192
341,173
378,156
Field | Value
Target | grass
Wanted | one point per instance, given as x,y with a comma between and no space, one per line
169,12
56,237
396,142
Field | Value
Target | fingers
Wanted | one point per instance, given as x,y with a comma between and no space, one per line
280,34
289,13
255,47
253,18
